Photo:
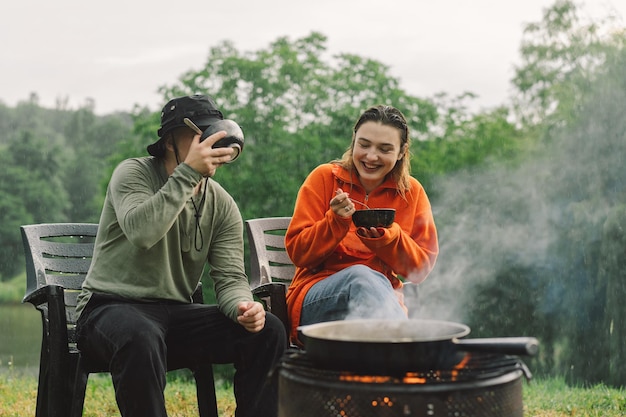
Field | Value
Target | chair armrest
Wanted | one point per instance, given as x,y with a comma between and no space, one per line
274,295
43,294
54,322
273,288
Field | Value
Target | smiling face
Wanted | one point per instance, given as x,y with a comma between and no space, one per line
377,147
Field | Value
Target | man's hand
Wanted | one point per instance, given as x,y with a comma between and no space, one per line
251,316
204,158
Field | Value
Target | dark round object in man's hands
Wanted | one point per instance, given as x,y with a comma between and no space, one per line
233,138
380,217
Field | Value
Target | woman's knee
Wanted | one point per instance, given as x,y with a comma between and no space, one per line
363,278
357,271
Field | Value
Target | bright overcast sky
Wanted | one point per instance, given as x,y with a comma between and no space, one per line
119,52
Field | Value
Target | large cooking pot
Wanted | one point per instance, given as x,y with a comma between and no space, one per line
400,346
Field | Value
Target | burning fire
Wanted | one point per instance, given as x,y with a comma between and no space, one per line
458,366
409,377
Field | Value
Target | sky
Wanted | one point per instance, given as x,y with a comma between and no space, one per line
119,52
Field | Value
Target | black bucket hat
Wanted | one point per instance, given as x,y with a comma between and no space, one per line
201,109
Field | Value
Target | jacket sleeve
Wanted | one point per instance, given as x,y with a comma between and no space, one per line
145,216
315,230
411,255
226,256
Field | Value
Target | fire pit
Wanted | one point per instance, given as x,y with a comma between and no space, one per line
481,385
362,368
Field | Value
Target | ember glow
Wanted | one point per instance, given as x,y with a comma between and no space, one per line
410,377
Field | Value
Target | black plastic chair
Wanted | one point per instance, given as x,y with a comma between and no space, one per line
57,260
271,270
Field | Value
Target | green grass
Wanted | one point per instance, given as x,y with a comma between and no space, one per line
13,290
542,398
18,397
554,398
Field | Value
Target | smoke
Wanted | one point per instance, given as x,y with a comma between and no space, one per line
544,215
486,221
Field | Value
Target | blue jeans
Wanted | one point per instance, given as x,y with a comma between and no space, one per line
357,292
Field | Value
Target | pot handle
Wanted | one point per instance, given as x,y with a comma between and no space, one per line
507,345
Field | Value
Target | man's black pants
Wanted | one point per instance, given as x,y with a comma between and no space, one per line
138,340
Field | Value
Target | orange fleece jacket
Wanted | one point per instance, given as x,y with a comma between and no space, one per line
320,243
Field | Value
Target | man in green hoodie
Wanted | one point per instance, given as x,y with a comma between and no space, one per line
163,220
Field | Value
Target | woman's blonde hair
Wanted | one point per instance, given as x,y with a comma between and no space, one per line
389,116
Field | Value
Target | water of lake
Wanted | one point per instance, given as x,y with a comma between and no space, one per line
20,338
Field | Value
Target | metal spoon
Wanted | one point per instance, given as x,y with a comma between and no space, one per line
358,202
192,125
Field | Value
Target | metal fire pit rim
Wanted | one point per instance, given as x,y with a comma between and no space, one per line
404,388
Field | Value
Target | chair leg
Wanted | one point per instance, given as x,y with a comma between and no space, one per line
205,389
78,389
42,389
58,392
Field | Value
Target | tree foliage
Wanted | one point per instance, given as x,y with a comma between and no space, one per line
54,161
30,191
561,55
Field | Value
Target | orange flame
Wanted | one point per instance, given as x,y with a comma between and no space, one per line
413,378
408,378
368,379
455,371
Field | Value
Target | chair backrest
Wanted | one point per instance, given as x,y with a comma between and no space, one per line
57,257
58,254
269,261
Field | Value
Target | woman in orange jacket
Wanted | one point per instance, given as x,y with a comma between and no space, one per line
343,272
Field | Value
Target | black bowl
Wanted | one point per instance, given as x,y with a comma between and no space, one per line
380,217
233,138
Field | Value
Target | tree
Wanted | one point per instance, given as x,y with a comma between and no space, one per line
31,192
560,55
91,140
463,141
